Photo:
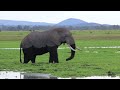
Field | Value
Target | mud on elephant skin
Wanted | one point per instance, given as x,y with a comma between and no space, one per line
38,43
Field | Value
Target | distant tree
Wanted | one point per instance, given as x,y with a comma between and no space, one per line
26,27
116,26
19,27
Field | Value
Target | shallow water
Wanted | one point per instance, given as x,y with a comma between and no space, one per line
10,75
22,75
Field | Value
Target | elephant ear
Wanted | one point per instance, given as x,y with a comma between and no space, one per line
54,39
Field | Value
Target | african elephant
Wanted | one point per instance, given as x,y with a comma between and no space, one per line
38,43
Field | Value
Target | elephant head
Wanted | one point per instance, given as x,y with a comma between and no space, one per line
65,36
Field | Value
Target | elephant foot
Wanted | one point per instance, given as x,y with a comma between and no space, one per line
24,63
33,63
50,61
53,62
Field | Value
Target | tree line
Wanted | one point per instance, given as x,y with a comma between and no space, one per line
22,27
38,27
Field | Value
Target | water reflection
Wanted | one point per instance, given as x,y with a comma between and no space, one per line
23,75
10,75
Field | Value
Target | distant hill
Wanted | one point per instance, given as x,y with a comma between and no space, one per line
14,22
70,23
67,22
75,22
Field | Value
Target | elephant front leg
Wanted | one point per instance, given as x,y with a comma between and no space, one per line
53,58
50,60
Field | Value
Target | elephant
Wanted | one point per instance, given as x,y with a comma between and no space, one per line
39,43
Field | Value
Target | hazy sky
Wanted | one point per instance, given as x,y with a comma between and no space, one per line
102,17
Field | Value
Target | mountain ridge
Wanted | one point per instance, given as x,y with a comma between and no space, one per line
17,22
66,22
76,22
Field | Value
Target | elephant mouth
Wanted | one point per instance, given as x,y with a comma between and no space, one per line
73,50
63,43
71,47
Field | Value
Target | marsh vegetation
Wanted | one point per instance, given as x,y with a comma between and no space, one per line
87,61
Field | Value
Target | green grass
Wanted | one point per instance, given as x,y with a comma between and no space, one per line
84,63
9,44
12,35
96,34
87,62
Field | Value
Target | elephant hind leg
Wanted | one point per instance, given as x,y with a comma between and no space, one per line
27,54
33,59
26,59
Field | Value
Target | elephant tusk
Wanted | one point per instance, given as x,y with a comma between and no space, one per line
78,48
71,48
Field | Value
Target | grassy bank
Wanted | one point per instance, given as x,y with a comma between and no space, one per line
87,62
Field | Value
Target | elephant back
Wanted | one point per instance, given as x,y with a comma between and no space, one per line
41,39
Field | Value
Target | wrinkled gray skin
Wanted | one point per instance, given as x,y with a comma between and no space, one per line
36,43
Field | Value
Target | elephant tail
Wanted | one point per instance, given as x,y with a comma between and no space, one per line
20,54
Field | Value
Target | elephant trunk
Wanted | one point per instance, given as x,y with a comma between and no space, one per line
73,46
